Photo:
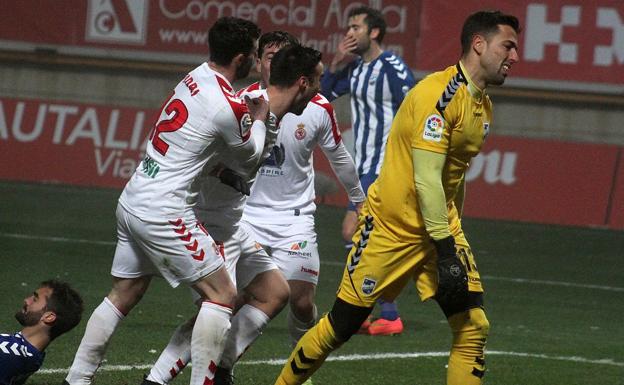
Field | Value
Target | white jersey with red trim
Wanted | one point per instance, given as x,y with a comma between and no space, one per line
285,183
200,122
220,206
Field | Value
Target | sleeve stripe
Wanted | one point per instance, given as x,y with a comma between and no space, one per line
322,102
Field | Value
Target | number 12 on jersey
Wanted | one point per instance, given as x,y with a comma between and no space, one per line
178,115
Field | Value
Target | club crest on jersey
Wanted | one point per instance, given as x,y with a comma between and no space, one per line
368,285
434,126
245,124
486,129
300,132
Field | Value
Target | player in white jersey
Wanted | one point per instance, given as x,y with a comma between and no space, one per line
280,210
158,233
377,81
263,289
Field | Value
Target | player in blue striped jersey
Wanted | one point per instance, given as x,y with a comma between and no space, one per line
377,81
51,310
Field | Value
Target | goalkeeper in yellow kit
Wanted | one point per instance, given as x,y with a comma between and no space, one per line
410,225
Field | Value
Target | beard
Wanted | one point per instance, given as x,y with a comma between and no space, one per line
28,318
361,48
243,70
497,80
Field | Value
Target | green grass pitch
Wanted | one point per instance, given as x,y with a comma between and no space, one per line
554,297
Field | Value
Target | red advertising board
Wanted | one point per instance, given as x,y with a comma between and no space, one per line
567,43
616,208
580,41
513,179
537,181
177,30
542,181
72,143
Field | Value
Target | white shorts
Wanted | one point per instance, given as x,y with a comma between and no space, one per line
244,258
292,246
178,249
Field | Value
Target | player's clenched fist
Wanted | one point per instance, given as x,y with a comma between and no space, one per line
452,293
258,108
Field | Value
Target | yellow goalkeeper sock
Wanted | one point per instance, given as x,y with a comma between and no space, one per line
466,364
309,354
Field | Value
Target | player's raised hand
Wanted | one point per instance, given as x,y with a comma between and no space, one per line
344,54
452,293
258,108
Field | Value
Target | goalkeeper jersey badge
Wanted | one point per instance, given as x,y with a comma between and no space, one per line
368,285
486,129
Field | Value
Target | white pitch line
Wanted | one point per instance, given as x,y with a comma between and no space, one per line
554,283
334,263
374,356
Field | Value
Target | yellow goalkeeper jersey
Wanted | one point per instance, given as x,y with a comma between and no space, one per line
444,113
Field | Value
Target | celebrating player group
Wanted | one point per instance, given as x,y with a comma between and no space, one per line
226,187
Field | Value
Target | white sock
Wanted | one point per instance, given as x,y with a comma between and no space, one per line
297,328
247,325
175,357
101,326
207,341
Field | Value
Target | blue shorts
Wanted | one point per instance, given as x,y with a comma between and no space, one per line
366,180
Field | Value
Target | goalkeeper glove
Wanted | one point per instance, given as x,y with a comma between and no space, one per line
452,293
234,180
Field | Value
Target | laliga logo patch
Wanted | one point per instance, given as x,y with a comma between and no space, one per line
245,124
368,285
486,129
300,133
434,126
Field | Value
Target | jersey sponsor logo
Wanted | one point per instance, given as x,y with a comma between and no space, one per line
150,167
299,245
296,250
277,156
300,132
117,21
368,285
434,126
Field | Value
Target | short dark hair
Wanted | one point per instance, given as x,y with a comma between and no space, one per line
291,62
373,19
230,36
275,38
485,23
66,303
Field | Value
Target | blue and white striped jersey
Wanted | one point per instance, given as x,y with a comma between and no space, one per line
18,359
377,89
